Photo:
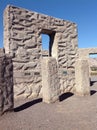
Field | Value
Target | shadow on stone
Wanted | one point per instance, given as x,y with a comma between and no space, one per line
92,92
27,105
6,82
65,96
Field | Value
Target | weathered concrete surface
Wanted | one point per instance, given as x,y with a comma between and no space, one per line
6,82
22,39
2,68
82,80
50,80
84,53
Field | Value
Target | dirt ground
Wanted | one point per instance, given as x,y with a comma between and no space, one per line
71,113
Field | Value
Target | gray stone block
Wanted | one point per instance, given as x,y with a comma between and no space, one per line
82,86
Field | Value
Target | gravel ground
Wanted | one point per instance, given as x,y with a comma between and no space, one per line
71,113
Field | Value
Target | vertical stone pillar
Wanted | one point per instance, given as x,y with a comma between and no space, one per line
2,84
50,80
8,89
6,83
82,86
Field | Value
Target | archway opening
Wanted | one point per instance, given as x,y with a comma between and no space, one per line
48,43
93,68
45,41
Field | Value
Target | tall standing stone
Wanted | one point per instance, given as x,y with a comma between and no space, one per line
82,86
2,83
8,79
6,83
50,80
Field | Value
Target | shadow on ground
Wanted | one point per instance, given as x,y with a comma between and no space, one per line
27,105
92,83
61,98
65,96
92,92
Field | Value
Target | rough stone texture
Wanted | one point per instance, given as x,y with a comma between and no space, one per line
84,53
22,39
6,82
50,80
82,86
45,53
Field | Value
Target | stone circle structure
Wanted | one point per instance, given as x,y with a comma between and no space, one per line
36,73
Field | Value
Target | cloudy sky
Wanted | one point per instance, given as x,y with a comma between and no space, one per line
82,12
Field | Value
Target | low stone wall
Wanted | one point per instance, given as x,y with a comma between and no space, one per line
6,82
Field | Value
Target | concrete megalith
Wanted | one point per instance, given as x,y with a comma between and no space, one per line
50,80
2,67
23,30
82,87
6,83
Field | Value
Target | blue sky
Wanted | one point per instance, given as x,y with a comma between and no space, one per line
82,12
